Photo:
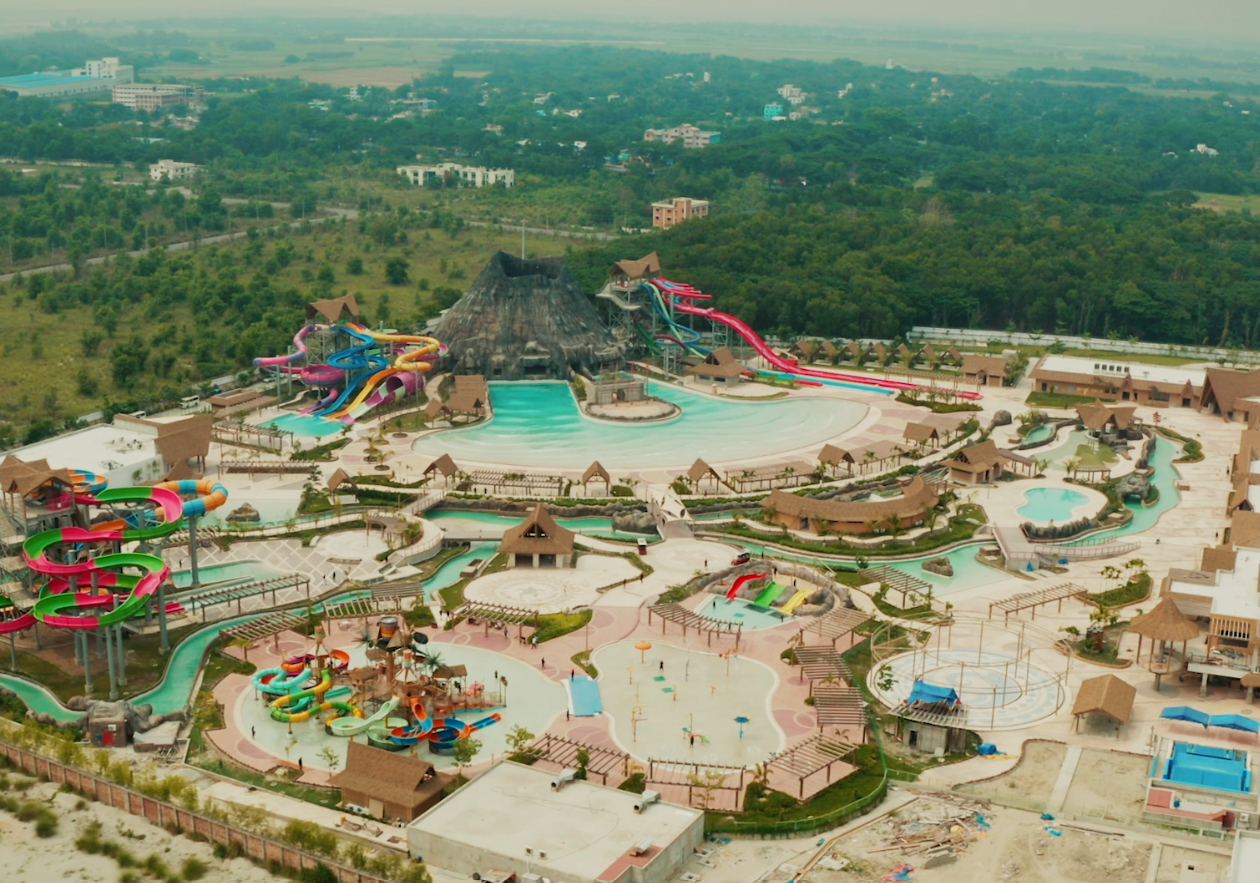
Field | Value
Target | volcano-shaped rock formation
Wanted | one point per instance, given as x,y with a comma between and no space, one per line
527,319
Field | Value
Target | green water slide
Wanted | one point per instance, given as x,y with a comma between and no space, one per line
766,598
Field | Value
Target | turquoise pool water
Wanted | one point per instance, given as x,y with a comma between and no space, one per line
737,610
1040,433
225,574
537,424
589,525
304,425
1051,504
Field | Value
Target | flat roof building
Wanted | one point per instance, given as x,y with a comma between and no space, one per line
154,96
676,210
172,170
124,455
470,176
96,78
692,137
1105,378
514,818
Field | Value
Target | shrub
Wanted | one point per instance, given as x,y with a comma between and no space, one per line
194,868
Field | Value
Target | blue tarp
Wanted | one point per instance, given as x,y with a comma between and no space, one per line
930,694
584,700
1186,713
1234,722
987,748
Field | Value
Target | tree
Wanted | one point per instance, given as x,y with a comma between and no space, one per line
396,269
330,758
583,761
518,739
244,643
885,678
354,266
464,750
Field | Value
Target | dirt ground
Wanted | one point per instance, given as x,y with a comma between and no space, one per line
1108,785
26,858
1178,865
1015,848
1030,782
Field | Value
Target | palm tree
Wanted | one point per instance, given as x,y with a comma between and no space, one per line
244,644
894,525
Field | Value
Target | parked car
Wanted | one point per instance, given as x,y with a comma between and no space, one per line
742,558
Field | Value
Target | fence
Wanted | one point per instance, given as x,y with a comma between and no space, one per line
165,814
973,337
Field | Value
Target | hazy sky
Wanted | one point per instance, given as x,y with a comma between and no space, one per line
1230,21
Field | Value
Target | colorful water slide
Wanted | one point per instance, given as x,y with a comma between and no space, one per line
355,725
684,337
306,702
443,730
296,663
766,598
277,682
339,660
299,343
796,601
356,362
404,374
740,581
210,495
681,296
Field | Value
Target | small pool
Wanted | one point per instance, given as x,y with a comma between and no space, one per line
739,611
1051,504
1040,433
221,574
304,425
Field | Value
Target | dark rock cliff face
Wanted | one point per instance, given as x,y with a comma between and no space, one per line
526,319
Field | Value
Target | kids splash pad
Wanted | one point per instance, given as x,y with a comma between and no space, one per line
537,424
686,709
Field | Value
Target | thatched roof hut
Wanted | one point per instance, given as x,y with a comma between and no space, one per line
392,786
1107,695
527,319
538,535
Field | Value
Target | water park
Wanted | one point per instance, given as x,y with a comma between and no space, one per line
617,544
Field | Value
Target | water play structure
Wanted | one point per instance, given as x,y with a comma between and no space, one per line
361,370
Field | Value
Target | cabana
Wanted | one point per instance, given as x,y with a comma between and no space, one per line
1106,695
596,471
1165,624
538,539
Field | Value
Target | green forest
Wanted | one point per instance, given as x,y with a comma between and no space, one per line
898,198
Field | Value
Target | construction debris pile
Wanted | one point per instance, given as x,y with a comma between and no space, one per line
935,830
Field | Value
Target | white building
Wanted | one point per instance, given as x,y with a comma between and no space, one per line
125,453
542,826
153,96
94,79
470,176
1206,151
172,170
693,138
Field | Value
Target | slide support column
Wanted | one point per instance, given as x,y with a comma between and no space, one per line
192,551
164,644
122,655
109,656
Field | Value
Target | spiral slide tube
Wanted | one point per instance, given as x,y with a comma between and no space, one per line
681,294
299,342
414,362
440,729
356,362
62,601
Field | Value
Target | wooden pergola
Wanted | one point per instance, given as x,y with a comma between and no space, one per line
680,615
563,752
686,773
898,581
836,623
815,754
517,616
268,626
1033,600
266,467
823,664
596,471
843,708
212,597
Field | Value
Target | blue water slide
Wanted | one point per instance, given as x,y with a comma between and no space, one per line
689,337
358,365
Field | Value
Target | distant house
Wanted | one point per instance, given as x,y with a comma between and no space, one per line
692,137
1225,392
1145,384
984,370
676,210
772,111
170,170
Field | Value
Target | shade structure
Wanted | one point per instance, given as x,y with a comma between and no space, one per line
643,647
930,694
1165,622
1185,713
1251,679
1234,722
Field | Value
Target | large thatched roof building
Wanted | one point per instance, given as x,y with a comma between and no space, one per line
539,541
527,319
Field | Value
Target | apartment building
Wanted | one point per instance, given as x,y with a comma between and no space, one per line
692,137
678,209
468,176
172,170
154,96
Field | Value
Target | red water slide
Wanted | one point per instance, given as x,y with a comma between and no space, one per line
739,583
681,293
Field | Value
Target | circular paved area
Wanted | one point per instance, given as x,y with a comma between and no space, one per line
352,544
550,589
998,693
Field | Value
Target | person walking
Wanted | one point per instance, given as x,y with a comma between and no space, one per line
253,733
662,668
300,766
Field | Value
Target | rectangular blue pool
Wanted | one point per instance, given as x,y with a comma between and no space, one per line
1222,769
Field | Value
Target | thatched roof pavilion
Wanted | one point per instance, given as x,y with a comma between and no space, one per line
1107,695
539,538
1165,624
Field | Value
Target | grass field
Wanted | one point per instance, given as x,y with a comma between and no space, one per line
40,353
1226,202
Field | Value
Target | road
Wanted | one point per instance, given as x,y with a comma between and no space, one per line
188,243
